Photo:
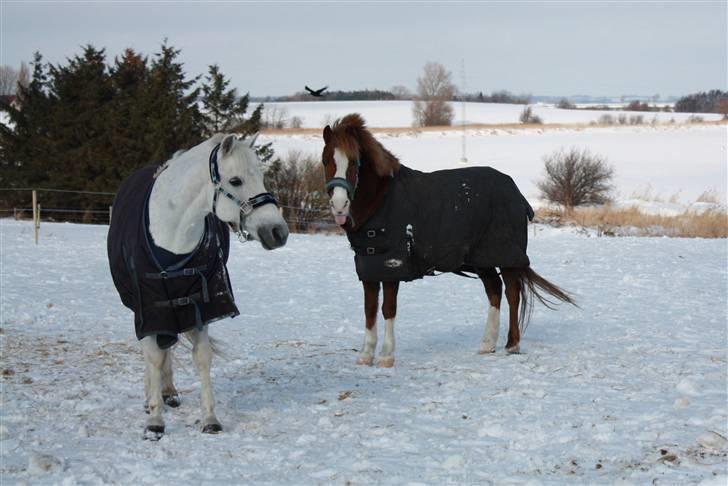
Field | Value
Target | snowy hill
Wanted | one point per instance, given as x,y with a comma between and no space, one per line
630,388
672,161
317,114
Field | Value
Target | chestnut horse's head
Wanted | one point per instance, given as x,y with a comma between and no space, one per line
353,161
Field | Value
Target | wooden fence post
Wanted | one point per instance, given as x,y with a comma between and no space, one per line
36,216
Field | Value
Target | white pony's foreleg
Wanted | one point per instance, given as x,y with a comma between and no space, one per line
153,360
202,355
169,392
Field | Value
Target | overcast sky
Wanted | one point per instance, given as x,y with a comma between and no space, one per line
554,48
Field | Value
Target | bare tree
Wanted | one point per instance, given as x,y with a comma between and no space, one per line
527,116
434,92
274,117
576,177
8,80
24,75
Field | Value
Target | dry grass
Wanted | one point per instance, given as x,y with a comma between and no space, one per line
610,221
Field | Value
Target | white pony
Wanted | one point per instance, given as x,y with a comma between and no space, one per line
168,244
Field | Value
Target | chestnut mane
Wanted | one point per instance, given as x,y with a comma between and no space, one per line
350,135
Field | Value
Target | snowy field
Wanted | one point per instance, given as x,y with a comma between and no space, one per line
630,388
670,161
317,114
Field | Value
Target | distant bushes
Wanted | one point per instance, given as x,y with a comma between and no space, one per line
576,177
565,104
298,183
622,119
527,116
499,96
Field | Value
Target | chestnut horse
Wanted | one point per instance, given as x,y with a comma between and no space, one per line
404,224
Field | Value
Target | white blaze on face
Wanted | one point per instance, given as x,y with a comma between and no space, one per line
339,197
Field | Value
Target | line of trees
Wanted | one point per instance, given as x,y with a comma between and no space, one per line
354,95
714,101
86,125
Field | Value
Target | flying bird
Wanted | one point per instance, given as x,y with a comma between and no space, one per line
318,93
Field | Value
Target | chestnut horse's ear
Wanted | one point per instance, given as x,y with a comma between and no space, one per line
327,134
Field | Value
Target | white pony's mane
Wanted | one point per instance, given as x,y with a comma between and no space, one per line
215,139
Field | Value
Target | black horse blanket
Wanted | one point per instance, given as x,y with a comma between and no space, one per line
168,293
448,221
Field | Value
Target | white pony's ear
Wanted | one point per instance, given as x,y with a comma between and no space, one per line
251,140
227,144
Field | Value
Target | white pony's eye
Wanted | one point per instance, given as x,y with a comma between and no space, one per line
236,181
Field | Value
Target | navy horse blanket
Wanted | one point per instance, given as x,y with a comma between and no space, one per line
168,293
447,221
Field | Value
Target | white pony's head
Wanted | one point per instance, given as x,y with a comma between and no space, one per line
241,176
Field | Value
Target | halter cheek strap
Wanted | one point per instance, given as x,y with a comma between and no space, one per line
247,206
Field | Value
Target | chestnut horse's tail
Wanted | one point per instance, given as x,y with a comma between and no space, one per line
534,285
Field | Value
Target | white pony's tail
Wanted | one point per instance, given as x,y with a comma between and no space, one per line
216,345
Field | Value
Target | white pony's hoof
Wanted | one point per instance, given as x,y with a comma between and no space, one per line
514,350
172,401
213,428
385,362
486,348
365,360
153,432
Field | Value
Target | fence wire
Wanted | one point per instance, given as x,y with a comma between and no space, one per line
296,221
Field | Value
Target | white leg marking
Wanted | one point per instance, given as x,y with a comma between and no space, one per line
492,326
386,355
366,356
153,360
202,355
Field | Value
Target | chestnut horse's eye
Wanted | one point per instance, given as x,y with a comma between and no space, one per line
236,181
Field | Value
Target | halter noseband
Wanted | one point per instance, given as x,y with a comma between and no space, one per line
247,206
344,183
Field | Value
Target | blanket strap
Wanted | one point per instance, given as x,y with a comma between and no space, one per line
183,301
190,299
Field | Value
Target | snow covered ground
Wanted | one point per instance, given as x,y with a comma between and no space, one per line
315,114
670,161
630,387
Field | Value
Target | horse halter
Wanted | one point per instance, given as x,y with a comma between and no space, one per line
344,183
246,207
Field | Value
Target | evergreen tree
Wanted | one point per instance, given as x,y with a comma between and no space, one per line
175,121
225,112
130,119
82,93
220,104
84,125
24,146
